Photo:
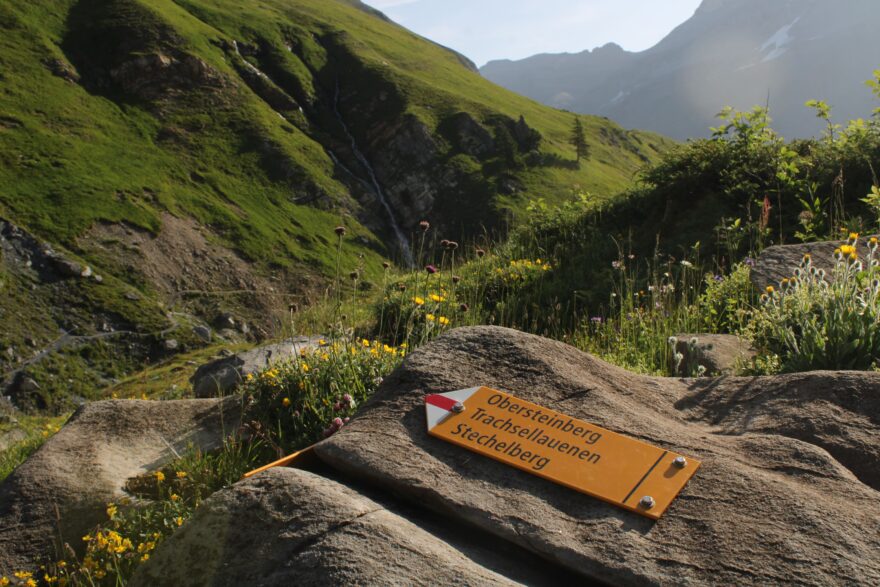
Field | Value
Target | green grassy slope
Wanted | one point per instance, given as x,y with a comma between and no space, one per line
226,114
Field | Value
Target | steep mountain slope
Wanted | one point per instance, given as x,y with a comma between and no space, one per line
164,163
739,53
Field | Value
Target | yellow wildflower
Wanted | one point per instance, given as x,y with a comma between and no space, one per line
430,317
249,378
174,497
23,574
4,581
143,396
443,320
30,583
847,250
286,402
305,367
419,301
179,521
853,236
770,289
301,385
160,476
111,510
181,474
145,557
437,298
365,342
322,342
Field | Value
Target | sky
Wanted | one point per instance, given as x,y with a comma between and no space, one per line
514,29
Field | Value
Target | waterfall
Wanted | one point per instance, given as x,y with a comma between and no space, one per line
402,241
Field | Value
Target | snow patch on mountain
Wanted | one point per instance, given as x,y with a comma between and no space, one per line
778,42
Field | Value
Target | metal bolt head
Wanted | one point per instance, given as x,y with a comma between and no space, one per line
647,502
458,407
680,462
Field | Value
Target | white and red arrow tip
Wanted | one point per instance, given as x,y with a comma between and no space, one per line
439,406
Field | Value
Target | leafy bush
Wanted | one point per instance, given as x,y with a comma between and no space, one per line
818,321
726,304
292,404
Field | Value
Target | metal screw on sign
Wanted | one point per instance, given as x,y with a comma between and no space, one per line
458,407
680,462
647,502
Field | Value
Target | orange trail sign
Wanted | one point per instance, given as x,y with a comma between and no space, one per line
612,467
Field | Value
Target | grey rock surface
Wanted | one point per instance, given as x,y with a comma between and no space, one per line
220,377
292,527
785,493
87,463
202,332
720,354
779,261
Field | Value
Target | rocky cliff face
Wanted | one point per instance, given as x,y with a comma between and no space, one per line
740,53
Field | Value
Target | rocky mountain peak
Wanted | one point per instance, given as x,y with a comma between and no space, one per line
729,53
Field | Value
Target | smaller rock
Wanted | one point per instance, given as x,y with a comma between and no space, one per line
7,411
86,272
62,69
98,278
203,332
222,376
28,385
719,354
228,334
224,321
66,267
7,439
170,344
10,353
779,261
132,296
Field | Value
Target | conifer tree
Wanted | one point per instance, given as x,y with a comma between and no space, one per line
579,140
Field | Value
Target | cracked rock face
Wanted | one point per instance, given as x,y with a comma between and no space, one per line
786,491
292,527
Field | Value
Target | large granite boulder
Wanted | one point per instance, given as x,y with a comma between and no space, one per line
221,376
63,489
292,527
785,494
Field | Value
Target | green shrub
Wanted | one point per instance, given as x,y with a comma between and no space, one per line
812,322
294,403
726,304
